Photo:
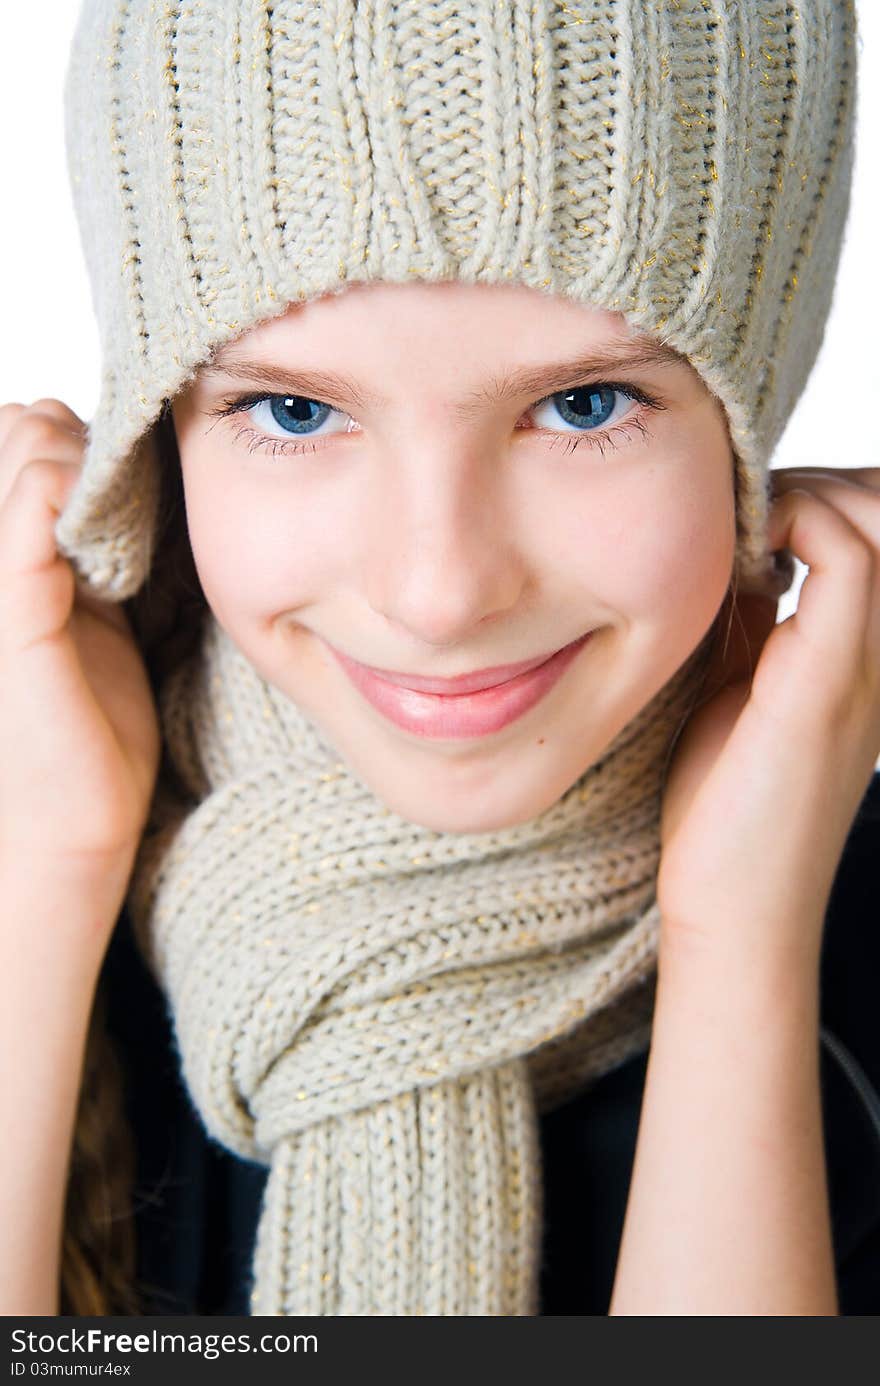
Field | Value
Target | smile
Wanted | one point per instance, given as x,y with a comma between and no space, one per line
459,715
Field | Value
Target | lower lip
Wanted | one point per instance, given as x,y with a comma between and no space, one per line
460,715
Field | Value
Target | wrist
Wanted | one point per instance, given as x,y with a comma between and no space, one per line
96,875
747,976
61,910
780,941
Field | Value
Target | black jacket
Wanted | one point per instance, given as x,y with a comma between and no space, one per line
197,1205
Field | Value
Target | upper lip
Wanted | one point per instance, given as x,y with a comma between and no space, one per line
462,683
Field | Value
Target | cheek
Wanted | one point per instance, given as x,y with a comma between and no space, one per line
680,558
257,551
663,544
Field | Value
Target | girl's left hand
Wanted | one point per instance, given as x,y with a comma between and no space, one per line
768,774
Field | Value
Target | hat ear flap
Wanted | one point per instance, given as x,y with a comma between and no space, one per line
107,527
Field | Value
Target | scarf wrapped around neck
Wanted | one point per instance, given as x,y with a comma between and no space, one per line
379,1012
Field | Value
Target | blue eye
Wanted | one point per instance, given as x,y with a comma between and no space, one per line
585,407
591,414
296,414
282,419
590,406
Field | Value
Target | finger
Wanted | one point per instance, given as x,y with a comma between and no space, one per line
837,606
27,542
66,417
40,433
783,478
860,504
38,494
33,435
8,414
51,408
36,582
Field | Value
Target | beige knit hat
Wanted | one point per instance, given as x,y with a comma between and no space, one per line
684,162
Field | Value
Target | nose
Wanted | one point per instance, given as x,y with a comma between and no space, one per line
441,550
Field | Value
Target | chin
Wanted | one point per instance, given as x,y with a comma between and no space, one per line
468,816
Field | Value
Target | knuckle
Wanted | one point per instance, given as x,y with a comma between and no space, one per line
790,500
58,410
35,476
798,495
34,431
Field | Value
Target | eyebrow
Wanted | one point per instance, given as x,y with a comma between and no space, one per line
637,354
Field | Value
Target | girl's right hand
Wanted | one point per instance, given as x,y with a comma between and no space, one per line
79,734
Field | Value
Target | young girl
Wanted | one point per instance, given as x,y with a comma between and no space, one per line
393,661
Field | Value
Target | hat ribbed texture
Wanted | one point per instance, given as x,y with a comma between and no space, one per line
683,162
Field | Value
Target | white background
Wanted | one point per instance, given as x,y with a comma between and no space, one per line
49,343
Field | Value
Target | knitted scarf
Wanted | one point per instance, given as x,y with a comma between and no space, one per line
378,1011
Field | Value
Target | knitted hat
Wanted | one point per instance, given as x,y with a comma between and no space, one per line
684,162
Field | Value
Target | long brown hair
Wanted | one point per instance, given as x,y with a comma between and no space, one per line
98,1247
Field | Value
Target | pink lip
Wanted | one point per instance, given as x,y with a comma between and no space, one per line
462,683
493,700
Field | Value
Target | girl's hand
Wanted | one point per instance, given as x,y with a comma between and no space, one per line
79,736
766,779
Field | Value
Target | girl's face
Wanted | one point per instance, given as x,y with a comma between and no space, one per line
438,479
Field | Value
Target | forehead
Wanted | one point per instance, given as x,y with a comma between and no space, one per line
478,344
499,313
